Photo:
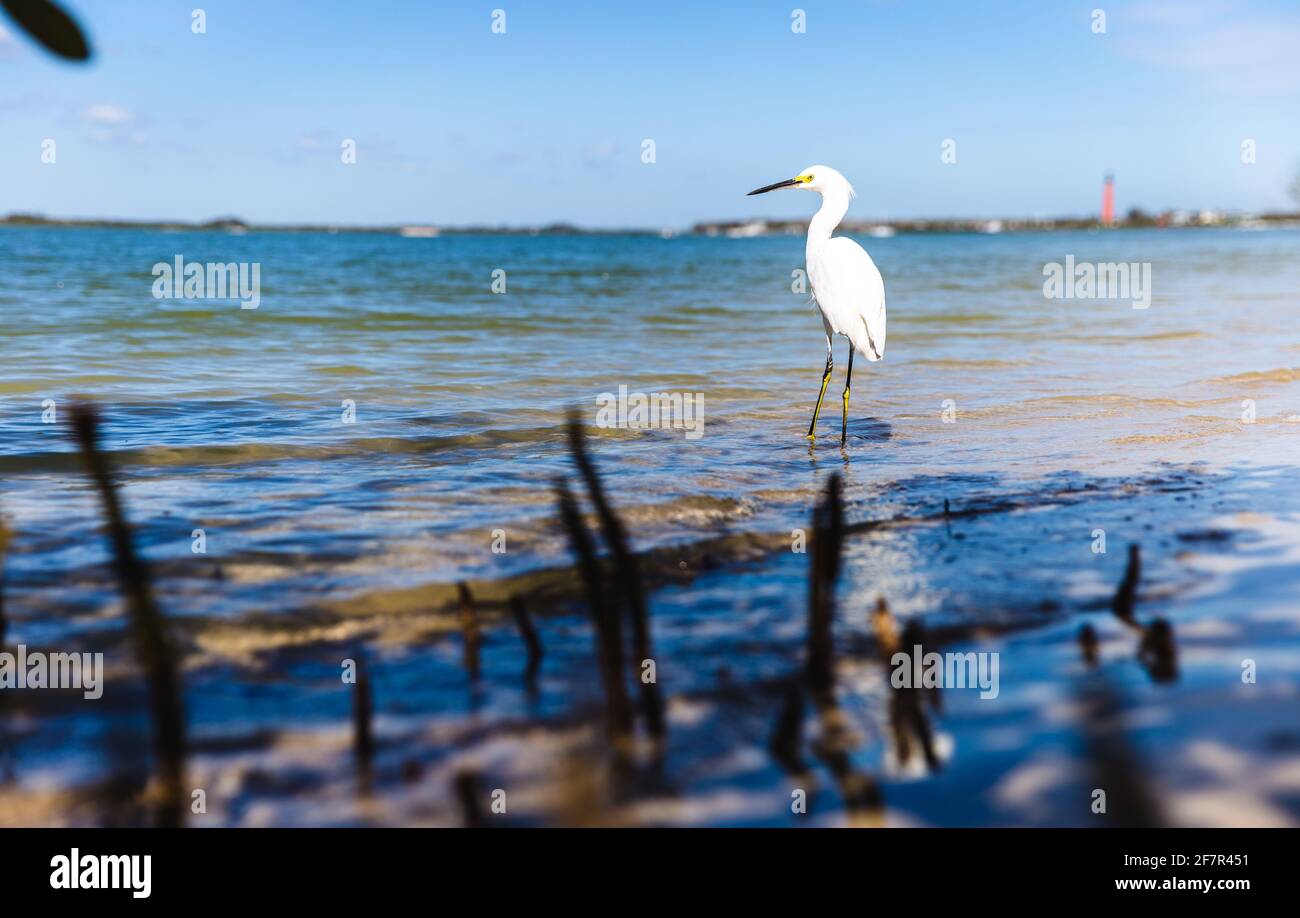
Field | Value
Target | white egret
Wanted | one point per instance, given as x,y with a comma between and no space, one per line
846,284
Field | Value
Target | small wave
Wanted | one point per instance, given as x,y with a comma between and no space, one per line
949,318
1279,375
1128,337
247,453
1100,404
955,363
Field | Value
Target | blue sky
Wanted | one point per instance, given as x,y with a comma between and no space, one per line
457,125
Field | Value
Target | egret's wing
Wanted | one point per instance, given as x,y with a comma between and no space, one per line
850,294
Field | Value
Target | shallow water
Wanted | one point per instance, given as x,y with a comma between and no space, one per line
1066,416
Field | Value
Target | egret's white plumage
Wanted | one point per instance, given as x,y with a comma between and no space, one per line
846,283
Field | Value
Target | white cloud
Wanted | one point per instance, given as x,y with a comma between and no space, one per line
315,141
111,125
602,155
107,114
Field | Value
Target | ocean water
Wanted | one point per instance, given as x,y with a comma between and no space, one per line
385,425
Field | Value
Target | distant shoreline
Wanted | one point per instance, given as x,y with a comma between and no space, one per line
725,228
237,226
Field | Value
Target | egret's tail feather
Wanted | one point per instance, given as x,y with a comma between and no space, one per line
871,351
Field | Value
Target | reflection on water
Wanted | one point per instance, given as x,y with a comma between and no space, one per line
1063,418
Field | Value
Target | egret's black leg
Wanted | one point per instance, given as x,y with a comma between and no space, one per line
844,427
826,377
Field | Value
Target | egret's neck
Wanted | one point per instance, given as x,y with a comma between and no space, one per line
835,204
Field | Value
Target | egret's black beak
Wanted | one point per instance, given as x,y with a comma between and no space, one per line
766,188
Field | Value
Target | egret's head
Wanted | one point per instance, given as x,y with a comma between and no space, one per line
814,178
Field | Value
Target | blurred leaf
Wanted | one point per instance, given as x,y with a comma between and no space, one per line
50,26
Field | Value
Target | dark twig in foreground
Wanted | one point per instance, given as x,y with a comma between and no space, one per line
886,631
1114,764
1158,652
907,717
627,574
1089,645
827,541
863,799
609,634
787,739
363,736
1125,596
859,790
467,794
50,26
4,553
468,629
907,714
908,720
153,646
524,622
